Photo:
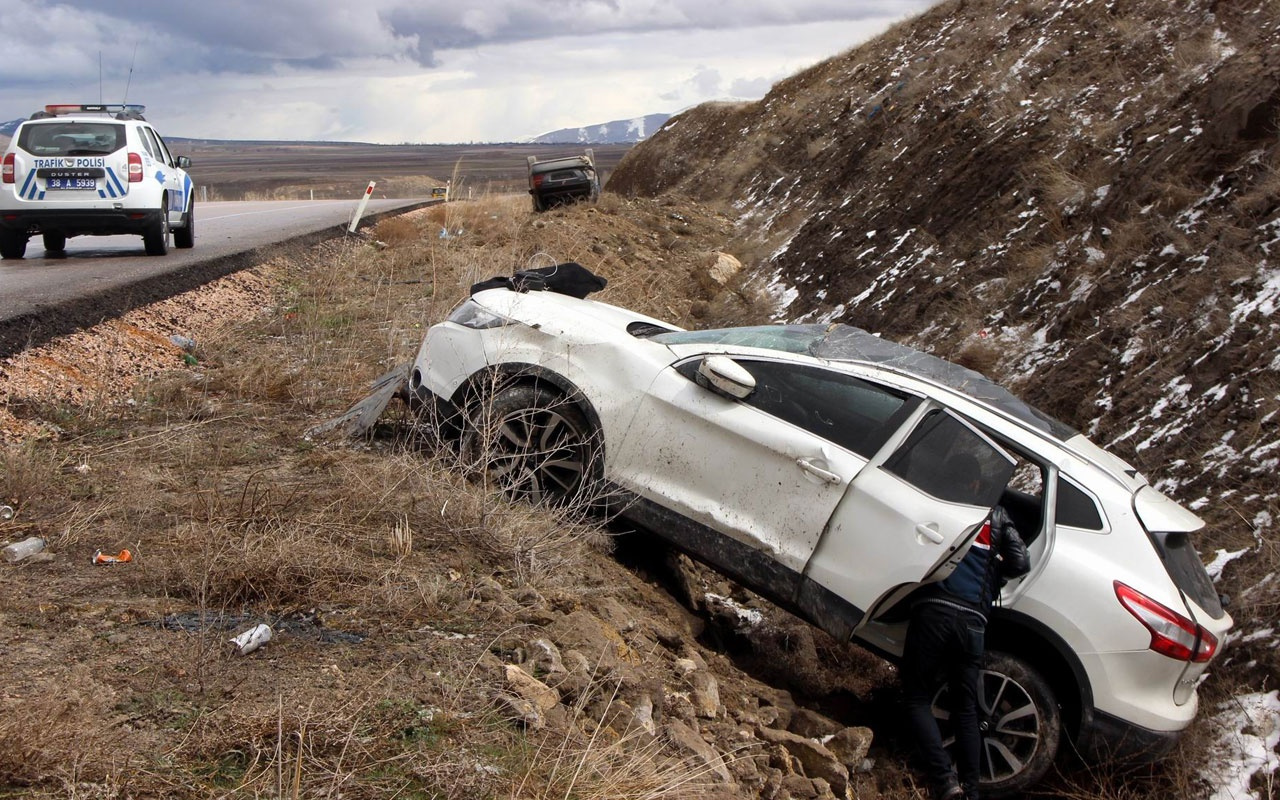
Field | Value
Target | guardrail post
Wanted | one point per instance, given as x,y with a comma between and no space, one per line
364,201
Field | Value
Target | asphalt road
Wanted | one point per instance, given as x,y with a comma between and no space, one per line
100,277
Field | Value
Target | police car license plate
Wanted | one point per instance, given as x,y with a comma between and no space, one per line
70,183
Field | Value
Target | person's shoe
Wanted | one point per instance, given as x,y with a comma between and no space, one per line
950,791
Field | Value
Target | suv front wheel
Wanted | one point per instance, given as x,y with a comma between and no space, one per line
54,242
533,444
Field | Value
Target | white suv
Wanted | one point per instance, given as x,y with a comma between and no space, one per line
93,170
812,463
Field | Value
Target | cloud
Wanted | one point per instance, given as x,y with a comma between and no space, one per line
245,36
413,71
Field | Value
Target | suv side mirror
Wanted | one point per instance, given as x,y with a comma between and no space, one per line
184,162
725,377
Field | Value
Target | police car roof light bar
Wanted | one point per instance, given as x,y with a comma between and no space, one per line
101,108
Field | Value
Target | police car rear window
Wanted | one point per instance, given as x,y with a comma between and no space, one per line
71,138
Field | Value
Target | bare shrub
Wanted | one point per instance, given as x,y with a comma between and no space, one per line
273,565
607,766
396,230
25,474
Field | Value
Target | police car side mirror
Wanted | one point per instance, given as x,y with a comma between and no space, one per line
184,162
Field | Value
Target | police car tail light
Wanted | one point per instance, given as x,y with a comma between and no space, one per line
135,168
8,168
1172,634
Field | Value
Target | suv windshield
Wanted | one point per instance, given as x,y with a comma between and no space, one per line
71,138
787,338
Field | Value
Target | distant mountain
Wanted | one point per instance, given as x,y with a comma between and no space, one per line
620,131
7,128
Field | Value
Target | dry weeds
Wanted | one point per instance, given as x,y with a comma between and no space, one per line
381,569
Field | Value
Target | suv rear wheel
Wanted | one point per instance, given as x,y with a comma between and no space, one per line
1019,720
156,239
13,244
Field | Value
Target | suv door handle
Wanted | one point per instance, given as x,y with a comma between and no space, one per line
813,469
930,532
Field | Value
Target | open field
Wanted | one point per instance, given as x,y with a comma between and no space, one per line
289,170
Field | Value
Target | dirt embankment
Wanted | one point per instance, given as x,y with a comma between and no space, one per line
1078,199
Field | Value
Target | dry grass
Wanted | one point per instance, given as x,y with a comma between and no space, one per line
202,471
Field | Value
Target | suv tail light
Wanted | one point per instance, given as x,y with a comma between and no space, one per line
1172,634
537,180
135,168
8,168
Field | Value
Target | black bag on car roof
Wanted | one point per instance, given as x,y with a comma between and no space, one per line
569,278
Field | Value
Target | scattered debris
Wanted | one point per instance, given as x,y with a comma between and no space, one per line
300,624
251,639
23,549
100,558
360,418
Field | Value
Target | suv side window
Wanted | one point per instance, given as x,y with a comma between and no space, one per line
148,143
1075,509
949,460
853,413
165,155
1023,498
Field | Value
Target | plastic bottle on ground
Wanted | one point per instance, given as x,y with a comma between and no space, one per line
20,550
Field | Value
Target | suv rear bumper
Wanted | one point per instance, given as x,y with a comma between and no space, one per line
81,221
1106,738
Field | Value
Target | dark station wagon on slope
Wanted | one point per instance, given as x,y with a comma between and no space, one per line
558,181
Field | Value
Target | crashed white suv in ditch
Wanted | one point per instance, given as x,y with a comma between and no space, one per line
93,170
811,464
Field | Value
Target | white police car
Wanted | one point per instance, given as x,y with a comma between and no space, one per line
93,170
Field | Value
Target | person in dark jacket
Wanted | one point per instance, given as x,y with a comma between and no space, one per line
945,642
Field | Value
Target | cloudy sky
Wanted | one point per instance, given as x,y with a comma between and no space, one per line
393,71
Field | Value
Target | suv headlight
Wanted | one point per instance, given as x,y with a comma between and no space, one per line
472,315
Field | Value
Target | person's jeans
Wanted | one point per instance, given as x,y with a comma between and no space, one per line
944,644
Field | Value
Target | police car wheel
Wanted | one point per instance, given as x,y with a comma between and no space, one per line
54,242
156,240
13,244
185,237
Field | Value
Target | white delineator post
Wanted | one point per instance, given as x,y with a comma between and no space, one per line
364,201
